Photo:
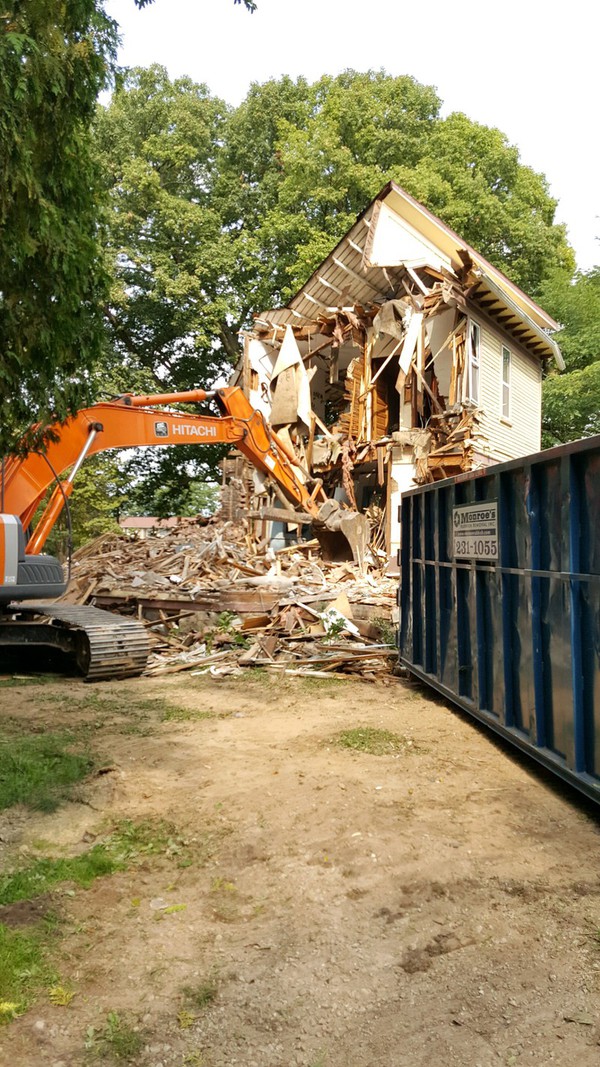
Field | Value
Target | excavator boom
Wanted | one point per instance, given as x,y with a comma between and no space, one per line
132,421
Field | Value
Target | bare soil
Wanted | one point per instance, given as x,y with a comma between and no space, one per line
436,906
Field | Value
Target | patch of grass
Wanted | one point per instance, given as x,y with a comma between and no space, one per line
44,874
173,909
225,904
39,770
128,843
16,681
321,1061
135,729
111,704
24,964
257,674
60,995
185,1019
135,840
201,995
24,970
375,742
254,675
119,1039
321,683
178,714
221,885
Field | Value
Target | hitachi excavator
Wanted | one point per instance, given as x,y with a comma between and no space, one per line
101,644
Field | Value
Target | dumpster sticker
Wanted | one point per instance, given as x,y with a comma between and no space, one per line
475,531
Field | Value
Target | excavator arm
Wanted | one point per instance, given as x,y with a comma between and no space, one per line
131,421
102,645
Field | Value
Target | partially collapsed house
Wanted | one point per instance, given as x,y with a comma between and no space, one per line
405,358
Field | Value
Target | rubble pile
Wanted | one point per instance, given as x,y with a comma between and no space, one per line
215,601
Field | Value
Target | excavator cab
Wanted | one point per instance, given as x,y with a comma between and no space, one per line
24,577
100,645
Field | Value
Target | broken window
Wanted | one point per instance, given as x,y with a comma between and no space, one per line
506,361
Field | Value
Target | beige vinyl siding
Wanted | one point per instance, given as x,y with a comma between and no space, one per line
521,435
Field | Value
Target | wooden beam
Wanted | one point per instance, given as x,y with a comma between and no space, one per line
313,300
415,277
300,518
503,319
358,278
329,285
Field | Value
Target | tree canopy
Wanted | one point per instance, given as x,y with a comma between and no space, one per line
167,315
54,60
301,161
571,401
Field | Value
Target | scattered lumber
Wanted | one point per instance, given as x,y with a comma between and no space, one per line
215,601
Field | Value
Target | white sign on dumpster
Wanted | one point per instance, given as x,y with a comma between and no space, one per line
475,531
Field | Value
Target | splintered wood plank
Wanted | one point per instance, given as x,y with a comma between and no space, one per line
380,466
351,421
238,601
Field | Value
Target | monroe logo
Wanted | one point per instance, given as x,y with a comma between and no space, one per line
186,429
467,518
476,531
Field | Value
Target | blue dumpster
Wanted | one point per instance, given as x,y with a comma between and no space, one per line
500,601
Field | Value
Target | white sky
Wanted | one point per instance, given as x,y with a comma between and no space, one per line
525,66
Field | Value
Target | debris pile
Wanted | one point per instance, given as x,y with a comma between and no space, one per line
447,446
215,601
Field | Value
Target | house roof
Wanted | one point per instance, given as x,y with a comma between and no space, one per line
355,273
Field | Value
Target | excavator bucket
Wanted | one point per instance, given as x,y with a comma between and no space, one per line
342,534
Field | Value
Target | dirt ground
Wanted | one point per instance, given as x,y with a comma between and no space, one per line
439,905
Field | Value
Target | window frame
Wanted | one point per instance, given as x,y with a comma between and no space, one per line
505,383
474,364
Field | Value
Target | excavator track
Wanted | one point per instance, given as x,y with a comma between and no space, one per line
102,645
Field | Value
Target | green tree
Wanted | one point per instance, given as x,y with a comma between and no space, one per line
100,496
173,314
54,60
571,405
167,316
571,401
471,177
301,161
248,4
161,483
575,303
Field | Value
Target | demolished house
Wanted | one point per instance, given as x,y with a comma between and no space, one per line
405,358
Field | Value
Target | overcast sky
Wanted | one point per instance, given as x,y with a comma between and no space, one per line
528,67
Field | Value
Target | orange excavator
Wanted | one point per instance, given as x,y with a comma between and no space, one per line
104,645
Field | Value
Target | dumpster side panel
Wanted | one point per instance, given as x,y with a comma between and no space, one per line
515,640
